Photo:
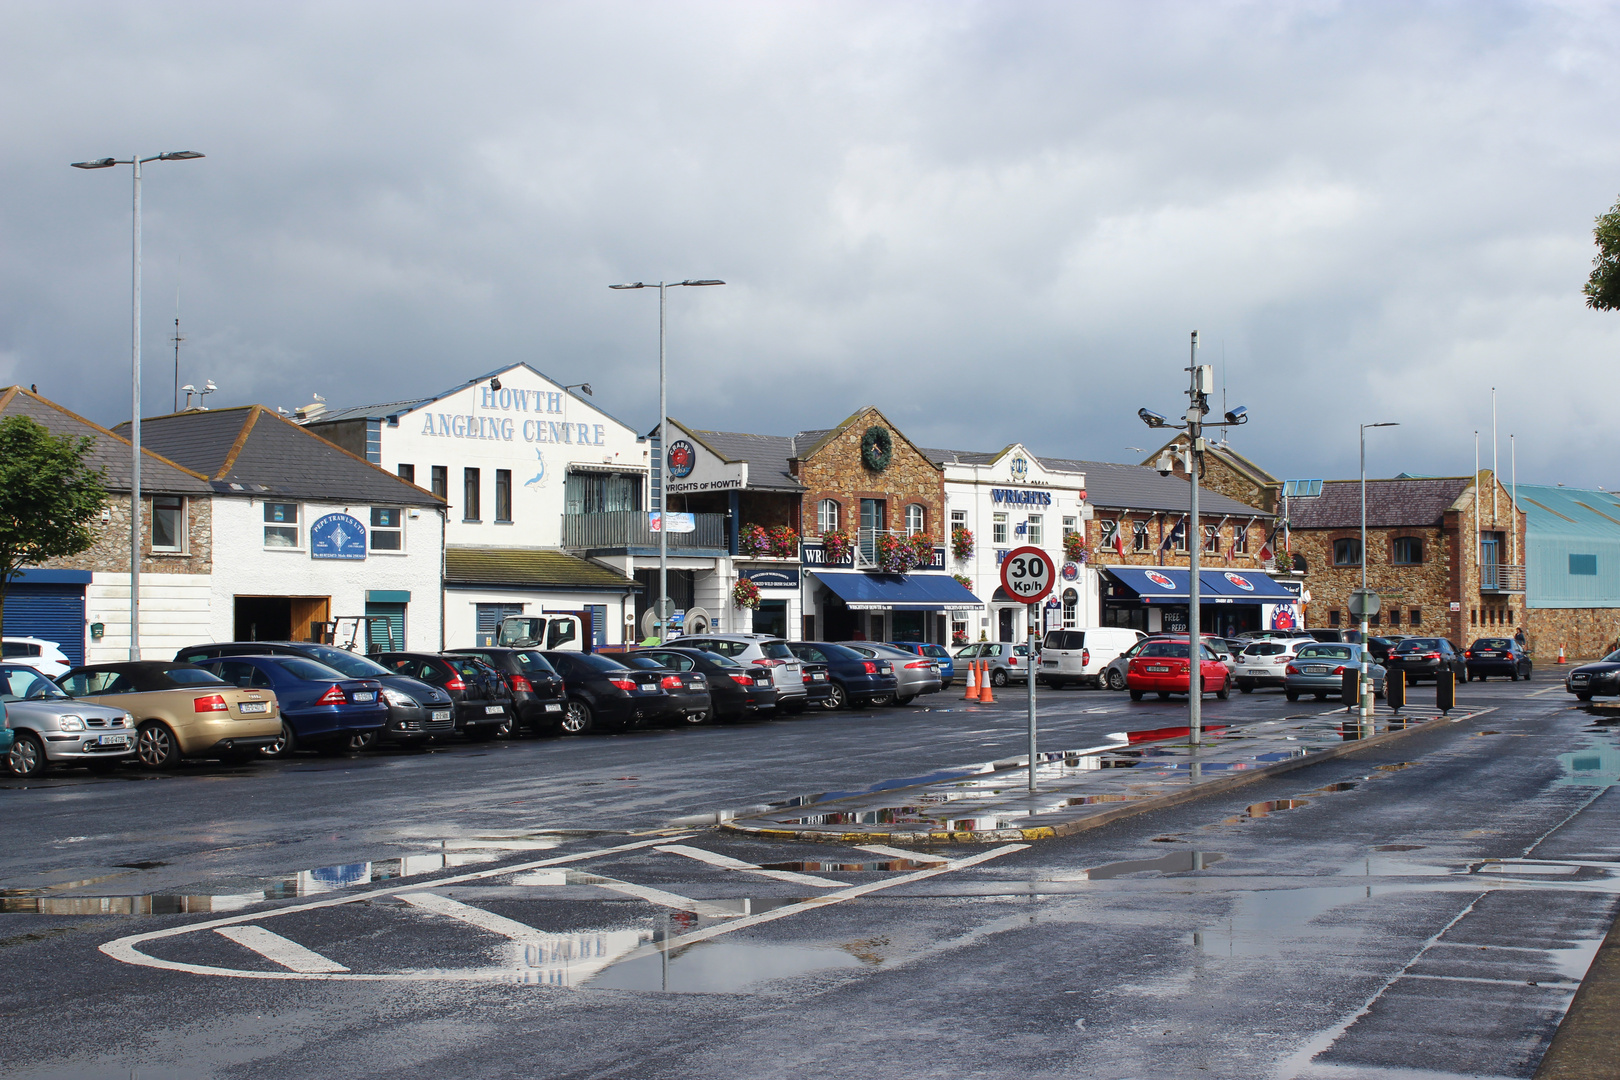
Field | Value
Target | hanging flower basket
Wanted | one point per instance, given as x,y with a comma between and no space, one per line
1074,547
836,547
962,543
964,581
877,448
753,540
784,542
894,555
922,548
745,594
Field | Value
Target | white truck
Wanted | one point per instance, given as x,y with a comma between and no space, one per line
548,630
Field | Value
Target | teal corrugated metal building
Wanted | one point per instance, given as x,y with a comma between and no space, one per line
1572,537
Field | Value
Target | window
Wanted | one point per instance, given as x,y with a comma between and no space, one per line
503,494
1106,531
1071,608
1372,620
827,516
281,525
387,529
1585,565
1394,616
599,493
441,481
1333,618
1417,617
1140,540
998,528
471,488
407,473
1178,536
1035,526
916,519
168,523
958,519
1408,551
1212,539
1240,540
1347,552
1070,526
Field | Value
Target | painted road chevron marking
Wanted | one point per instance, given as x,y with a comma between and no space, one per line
725,862
274,947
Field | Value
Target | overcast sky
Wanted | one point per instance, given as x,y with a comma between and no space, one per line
995,221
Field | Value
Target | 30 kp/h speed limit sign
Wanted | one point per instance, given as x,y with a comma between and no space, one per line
1027,574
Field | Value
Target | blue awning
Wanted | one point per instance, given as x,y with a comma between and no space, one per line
1168,585
899,592
1154,584
1244,586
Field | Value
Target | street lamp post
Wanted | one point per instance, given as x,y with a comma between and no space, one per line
135,378
1202,385
1366,672
663,288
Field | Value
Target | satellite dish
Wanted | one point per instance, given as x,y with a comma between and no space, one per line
697,621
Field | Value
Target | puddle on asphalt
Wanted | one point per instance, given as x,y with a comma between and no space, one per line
886,866
723,967
1400,847
1176,862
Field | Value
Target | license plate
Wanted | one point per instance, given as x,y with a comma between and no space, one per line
550,708
441,715
254,706
1152,668
1258,671
818,678
364,695
1487,656
1315,669
762,682
494,710
114,740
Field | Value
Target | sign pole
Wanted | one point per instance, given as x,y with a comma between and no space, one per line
1027,575
1033,642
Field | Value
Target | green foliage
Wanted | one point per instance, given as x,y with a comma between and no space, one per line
877,448
1603,287
48,496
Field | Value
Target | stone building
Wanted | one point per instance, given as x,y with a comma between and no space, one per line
1227,472
1446,554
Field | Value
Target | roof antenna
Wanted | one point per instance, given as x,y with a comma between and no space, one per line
177,337
1223,387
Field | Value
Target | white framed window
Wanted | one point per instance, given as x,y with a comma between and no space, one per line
827,515
169,523
1212,539
1140,540
387,529
1240,540
281,528
958,519
1107,529
998,528
916,519
1070,526
1035,527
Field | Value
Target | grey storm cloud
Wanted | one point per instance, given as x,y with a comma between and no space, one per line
996,221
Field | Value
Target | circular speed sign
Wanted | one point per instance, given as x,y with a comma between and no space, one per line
1027,574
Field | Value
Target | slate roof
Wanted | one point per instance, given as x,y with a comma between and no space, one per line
960,457
252,451
1112,486
766,455
1416,503
529,567
111,452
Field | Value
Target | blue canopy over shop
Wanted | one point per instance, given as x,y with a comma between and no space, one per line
899,592
1168,585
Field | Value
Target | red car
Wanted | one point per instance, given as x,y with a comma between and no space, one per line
1162,667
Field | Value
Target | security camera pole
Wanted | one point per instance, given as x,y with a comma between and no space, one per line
1202,385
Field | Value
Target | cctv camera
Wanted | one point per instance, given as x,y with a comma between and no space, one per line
495,383
1239,415
1151,418
1166,464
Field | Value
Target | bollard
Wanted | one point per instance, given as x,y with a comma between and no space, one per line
972,682
1395,690
1445,692
1350,687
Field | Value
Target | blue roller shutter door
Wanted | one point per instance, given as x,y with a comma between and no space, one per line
51,611
388,632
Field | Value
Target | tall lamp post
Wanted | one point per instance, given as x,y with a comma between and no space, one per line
1366,672
135,377
1202,385
663,288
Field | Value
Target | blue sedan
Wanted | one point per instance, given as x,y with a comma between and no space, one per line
320,706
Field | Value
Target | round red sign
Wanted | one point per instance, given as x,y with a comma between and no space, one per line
1027,574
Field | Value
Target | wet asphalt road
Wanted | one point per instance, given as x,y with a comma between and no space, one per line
1357,931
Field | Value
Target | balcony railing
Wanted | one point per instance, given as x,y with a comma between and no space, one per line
630,529
1501,578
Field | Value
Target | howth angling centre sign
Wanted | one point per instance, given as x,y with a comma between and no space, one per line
509,428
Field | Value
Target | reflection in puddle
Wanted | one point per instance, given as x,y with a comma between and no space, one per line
1177,862
728,967
886,866
1275,806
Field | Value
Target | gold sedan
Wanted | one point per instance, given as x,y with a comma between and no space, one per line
180,710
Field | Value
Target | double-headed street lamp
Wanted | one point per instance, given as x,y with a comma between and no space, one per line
135,375
1366,673
663,288
1203,384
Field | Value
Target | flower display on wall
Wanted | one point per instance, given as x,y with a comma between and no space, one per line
962,543
781,542
836,547
1074,547
745,594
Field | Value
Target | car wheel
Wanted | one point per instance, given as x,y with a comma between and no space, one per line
1224,692
156,746
27,757
1513,676
362,740
836,700
1291,695
906,700
1527,670
284,746
998,677
577,718
1136,695
1116,679
504,729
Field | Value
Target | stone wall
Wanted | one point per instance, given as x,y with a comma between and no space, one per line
1223,474
1584,633
1161,524
1421,592
836,471
110,552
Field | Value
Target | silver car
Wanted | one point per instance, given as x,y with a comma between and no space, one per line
914,674
1319,669
1008,661
52,728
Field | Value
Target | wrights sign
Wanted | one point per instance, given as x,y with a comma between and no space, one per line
1019,495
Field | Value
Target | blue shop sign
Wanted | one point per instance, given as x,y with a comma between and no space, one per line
1021,495
773,579
337,536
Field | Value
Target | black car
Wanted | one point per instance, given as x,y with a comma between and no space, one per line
688,689
417,711
818,685
1426,658
537,689
603,691
857,681
483,704
1601,679
1496,656
738,691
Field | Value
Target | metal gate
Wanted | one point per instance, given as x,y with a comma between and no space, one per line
41,604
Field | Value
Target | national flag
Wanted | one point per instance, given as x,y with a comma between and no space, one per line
1265,552
1119,543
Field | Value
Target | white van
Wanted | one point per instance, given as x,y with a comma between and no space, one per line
1079,656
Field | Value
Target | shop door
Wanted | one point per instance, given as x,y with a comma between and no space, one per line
771,618
1005,625
387,627
909,626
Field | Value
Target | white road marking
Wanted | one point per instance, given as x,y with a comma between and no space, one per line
1549,690
725,862
277,949
522,933
662,898
897,853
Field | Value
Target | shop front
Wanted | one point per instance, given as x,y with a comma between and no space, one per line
1156,600
888,607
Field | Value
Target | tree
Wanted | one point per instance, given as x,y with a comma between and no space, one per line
1603,287
48,494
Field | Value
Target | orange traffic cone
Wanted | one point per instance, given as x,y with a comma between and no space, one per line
1561,659
985,695
972,682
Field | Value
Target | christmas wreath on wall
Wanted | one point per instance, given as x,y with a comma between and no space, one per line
877,448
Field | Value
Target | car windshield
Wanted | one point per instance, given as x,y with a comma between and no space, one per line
1166,648
26,684
303,668
1419,644
1493,643
598,662
533,663
350,664
1612,658
1326,652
